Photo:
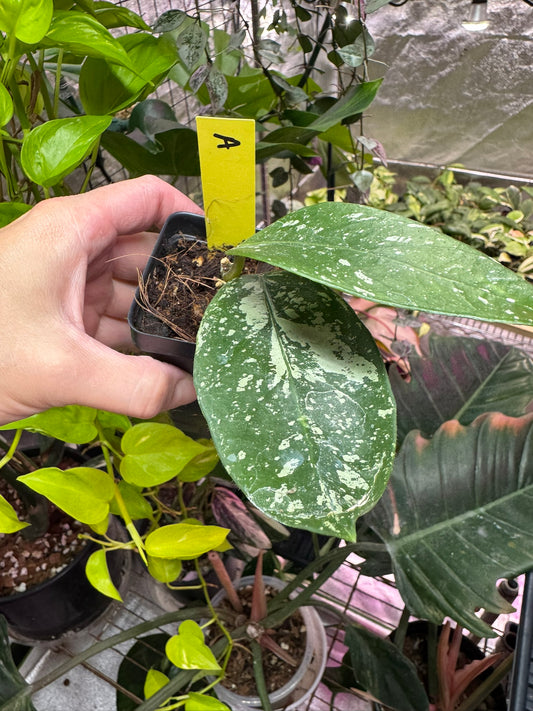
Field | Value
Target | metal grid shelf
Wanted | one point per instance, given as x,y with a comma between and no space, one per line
92,685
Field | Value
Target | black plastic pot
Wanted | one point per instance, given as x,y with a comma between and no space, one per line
64,603
148,333
151,335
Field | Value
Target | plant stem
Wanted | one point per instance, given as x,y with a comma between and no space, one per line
10,452
90,170
57,82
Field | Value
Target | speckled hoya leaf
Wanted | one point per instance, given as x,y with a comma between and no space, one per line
297,400
392,260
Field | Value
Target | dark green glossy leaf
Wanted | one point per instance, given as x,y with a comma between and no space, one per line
107,88
460,378
81,34
391,260
9,211
456,517
11,681
293,386
109,15
379,667
178,153
72,423
147,653
353,102
146,114
263,151
27,20
52,150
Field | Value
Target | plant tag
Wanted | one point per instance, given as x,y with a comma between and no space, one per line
227,164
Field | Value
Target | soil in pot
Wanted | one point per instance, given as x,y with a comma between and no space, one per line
290,636
181,285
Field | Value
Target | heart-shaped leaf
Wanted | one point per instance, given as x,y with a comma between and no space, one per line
154,681
9,522
27,20
391,260
187,649
165,570
201,702
184,540
156,453
53,149
297,399
456,517
82,492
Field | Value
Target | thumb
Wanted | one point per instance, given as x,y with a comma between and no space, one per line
137,386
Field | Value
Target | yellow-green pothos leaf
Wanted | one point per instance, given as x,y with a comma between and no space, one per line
28,20
136,504
456,517
184,540
53,149
72,423
6,106
201,702
393,260
297,399
187,649
154,681
155,453
82,492
9,522
164,569
98,575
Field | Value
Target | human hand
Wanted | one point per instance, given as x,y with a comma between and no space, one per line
68,274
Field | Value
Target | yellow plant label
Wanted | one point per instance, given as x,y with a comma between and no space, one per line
227,164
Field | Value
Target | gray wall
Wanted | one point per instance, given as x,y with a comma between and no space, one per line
453,96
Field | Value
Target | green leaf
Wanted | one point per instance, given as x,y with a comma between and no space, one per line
456,517
148,652
380,668
9,522
217,86
178,153
136,504
10,211
107,88
72,423
155,680
187,650
166,570
82,492
52,150
300,395
98,575
169,20
356,53
458,379
11,681
391,260
191,45
184,540
355,101
111,16
202,465
28,20
82,35
6,106
156,453
201,702
268,150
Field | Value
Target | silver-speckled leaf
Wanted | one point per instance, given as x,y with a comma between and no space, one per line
297,400
392,260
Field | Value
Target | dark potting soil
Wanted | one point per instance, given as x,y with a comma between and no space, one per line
290,635
24,562
179,288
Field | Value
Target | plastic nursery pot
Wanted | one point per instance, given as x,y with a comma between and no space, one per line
65,603
151,335
307,676
148,333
